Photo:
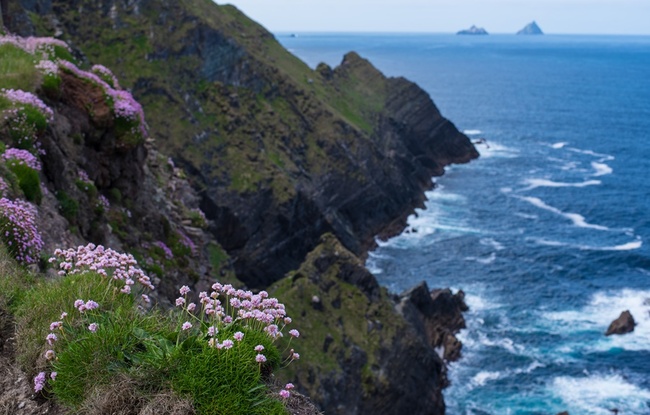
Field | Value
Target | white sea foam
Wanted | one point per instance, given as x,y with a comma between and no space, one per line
604,307
629,246
481,378
492,149
577,219
559,145
535,183
601,168
492,243
602,157
484,259
472,132
597,394
526,216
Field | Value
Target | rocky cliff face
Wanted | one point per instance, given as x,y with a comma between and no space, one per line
280,155
365,351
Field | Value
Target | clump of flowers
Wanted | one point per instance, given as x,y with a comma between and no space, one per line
16,156
27,118
18,230
166,250
106,75
119,267
32,45
4,187
187,242
103,203
226,306
126,109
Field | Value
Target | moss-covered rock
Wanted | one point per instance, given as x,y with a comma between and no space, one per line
361,349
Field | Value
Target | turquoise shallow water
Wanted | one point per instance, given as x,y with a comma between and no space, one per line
548,233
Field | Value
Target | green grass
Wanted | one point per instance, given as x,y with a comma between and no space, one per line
17,69
145,349
28,181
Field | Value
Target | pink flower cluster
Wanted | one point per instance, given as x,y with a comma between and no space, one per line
17,156
104,261
225,305
168,252
187,242
48,67
4,187
103,71
83,176
18,96
33,44
285,392
103,201
18,230
124,105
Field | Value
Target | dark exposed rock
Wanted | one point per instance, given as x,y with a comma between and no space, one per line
531,29
473,31
622,325
437,314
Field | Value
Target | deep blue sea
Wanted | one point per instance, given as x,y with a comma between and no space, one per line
548,233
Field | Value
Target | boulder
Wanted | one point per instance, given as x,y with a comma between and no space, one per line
623,324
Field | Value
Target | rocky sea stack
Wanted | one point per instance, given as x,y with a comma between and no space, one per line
531,29
473,31
297,171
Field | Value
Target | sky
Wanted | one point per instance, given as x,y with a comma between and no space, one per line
449,16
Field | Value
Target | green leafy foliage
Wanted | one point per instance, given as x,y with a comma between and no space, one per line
28,181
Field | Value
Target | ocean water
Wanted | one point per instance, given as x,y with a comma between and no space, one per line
548,233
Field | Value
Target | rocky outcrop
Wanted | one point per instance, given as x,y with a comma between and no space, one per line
438,315
363,350
281,153
622,325
472,31
531,29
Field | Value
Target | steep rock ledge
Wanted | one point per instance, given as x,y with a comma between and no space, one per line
281,153
365,351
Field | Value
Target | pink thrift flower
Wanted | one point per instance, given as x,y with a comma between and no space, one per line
227,319
191,307
55,325
184,290
78,303
294,333
238,336
39,382
180,301
51,338
212,330
260,358
259,348
284,394
295,356
288,386
287,320
146,298
64,315
227,344
186,326
91,305
53,375
49,355
93,327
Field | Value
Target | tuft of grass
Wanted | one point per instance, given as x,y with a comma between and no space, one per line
28,181
69,207
228,382
17,69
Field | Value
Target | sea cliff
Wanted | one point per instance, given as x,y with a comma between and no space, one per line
297,171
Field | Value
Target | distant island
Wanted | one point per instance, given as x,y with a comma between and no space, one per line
531,29
473,31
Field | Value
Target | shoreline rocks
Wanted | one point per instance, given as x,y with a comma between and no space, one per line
622,325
